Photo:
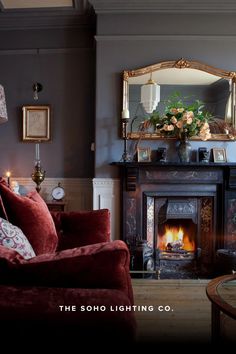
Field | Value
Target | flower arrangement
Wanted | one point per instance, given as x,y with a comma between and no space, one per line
181,120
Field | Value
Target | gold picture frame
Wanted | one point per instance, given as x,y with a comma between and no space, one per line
219,155
144,154
36,123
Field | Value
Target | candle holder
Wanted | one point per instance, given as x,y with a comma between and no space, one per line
125,156
38,176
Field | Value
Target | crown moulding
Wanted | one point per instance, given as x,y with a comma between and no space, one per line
163,6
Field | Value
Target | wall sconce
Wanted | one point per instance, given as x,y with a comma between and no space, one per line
150,95
37,87
3,107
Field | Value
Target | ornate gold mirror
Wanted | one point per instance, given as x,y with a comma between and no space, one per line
192,80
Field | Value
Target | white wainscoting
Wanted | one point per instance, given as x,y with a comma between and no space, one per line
78,191
106,194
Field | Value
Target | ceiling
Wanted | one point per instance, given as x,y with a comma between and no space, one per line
43,14
39,4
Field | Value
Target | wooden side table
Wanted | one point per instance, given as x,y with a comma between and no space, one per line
56,205
221,292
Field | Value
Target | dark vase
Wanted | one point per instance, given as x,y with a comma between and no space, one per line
184,149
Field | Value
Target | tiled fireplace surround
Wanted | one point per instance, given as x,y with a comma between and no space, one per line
200,197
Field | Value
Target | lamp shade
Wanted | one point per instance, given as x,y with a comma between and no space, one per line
150,96
3,107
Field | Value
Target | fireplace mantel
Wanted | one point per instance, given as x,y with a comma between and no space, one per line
179,172
213,183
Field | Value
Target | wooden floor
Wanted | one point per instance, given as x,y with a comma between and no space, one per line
189,318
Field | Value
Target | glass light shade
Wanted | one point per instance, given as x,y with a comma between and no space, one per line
3,107
150,96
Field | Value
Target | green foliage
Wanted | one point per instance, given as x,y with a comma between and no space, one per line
181,118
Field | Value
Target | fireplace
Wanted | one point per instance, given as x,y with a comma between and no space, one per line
177,216
175,229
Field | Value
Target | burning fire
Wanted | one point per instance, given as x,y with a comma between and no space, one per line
175,239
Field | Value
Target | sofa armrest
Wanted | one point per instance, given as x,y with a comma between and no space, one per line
81,228
104,265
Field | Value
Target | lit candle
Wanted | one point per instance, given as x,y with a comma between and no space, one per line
8,175
37,155
125,113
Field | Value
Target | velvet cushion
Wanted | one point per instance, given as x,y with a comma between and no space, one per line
103,265
82,228
12,237
30,213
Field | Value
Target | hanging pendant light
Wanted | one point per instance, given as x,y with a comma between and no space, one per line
150,95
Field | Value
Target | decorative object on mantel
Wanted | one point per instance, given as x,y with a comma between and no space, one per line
184,148
3,107
181,118
161,154
38,174
219,155
203,155
144,154
182,121
125,119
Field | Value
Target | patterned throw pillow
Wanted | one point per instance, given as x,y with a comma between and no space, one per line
12,237
30,213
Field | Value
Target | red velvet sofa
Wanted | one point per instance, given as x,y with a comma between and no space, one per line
82,289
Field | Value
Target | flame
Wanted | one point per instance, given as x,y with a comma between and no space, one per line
175,234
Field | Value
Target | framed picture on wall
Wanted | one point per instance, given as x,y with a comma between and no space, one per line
144,154
36,123
219,155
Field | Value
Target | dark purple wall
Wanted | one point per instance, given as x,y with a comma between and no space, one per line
129,41
63,61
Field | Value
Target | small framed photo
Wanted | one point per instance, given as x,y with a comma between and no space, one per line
144,154
219,155
36,123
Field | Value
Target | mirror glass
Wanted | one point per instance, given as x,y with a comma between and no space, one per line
191,81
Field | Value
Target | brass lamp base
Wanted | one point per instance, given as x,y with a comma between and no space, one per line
38,176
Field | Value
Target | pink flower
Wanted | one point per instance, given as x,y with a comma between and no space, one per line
174,110
170,127
205,126
189,120
165,127
173,120
205,134
179,124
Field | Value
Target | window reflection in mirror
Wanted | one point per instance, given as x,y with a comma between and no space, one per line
192,81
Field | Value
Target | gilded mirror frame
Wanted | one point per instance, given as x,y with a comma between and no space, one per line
180,64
